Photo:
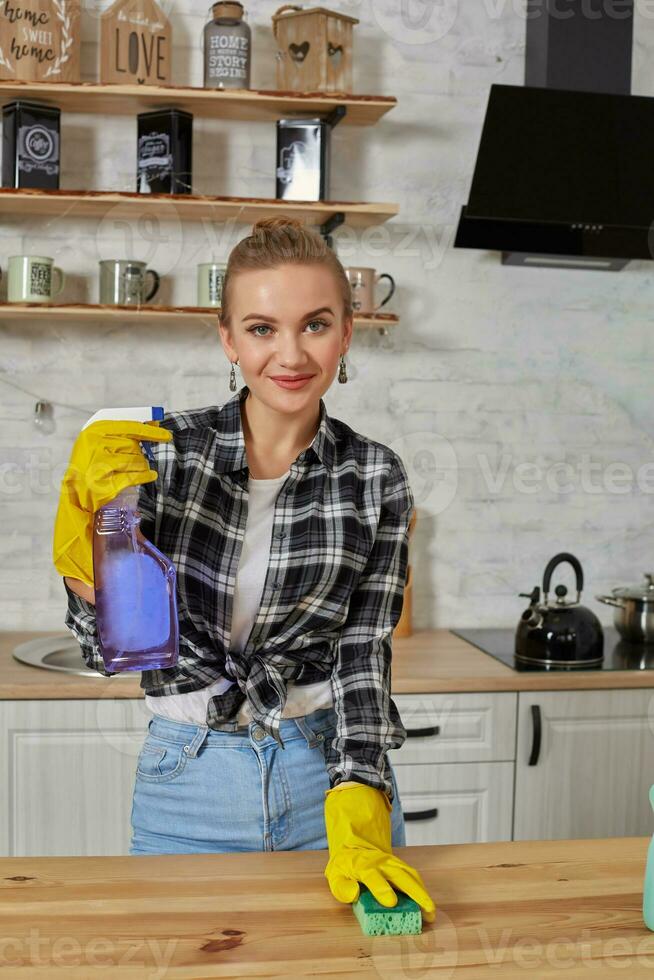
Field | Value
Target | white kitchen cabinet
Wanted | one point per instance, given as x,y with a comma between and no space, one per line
455,768
67,769
456,727
456,804
591,774
67,775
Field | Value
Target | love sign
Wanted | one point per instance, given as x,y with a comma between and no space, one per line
39,40
135,43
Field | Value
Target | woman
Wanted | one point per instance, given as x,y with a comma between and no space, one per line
289,534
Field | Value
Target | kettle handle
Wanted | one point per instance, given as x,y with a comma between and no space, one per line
551,565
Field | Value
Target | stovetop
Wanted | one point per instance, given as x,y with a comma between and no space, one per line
618,654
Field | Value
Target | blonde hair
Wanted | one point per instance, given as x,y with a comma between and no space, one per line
276,241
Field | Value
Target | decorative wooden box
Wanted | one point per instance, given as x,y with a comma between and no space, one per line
314,49
135,44
40,41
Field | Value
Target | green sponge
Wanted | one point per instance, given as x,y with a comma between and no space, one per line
404,919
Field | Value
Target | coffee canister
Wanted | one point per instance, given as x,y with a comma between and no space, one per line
30,145
303,159
165,152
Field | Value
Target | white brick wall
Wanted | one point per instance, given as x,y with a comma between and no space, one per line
491,368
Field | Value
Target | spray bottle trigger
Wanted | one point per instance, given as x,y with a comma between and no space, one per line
148,451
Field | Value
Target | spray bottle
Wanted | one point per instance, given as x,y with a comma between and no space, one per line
648,890
135,584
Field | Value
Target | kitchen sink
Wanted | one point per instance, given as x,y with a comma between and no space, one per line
61,652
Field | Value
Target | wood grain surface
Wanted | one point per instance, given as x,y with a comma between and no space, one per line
250,105
145,313
543,909
28,201
428,662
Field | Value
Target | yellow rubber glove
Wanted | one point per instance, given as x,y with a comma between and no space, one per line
106,458
358,824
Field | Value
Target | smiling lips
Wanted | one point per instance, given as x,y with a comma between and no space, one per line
295,381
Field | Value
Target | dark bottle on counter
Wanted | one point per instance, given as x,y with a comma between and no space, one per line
227,47
165,152
30,145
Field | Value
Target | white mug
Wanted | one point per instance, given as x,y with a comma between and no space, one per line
211,276
30,279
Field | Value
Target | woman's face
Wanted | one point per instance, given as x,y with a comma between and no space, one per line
287,321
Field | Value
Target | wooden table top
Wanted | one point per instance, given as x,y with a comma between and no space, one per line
545,909
429,661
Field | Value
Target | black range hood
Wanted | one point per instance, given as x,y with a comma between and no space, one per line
564,174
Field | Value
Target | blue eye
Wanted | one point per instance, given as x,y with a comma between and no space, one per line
265,326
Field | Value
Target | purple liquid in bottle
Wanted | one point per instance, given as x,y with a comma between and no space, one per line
135,591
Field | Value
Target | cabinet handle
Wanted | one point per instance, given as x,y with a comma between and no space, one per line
537,734
421,814
421,732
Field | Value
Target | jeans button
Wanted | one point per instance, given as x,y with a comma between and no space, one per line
259,733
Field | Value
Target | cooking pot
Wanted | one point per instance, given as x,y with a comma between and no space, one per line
633,613
562,633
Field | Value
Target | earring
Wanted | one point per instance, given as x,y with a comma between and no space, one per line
232,378
342,373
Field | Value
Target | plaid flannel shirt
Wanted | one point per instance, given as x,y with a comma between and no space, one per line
333,591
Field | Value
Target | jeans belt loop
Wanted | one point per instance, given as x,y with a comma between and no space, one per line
197,741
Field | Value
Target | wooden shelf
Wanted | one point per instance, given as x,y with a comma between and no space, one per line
94,312
247,104
27,202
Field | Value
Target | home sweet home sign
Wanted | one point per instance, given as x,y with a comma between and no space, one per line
39,40
135,43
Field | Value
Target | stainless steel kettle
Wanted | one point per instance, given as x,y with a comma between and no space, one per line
561,633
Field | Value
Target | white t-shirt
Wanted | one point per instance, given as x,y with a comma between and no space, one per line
248,588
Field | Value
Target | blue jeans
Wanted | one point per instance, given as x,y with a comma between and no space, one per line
198,790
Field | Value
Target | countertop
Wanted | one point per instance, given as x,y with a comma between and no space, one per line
429,661
546,909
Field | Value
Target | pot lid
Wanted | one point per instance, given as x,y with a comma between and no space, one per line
643,591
